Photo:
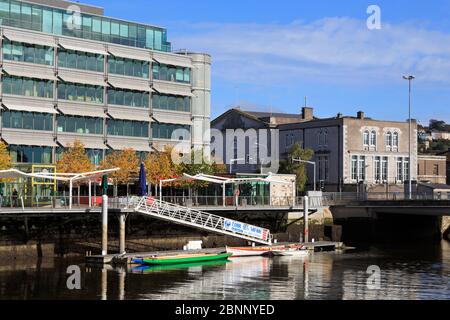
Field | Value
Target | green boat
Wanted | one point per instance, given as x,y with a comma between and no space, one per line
143,269
189,258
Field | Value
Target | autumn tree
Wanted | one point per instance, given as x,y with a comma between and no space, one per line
289,166
74,159
128,162
5,162
5,158
159,166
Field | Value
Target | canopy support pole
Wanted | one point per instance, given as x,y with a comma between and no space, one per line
90,194
160,190
70,193
224,185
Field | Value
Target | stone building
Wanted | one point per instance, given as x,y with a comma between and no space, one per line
348,151
432,169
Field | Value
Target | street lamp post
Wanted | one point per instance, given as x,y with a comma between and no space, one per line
409,79
308,162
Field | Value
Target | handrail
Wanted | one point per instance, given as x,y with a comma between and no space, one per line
202,220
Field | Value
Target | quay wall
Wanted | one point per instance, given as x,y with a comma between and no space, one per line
445,229
67,235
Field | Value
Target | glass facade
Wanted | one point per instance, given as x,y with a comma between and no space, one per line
85,125
95,155
127,128
175,103
24,52
166,131
80,92
128,98
171,73
27,87
81,60
30,154
62,22
128,67
27,120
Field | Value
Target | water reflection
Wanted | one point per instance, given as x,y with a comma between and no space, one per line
406,273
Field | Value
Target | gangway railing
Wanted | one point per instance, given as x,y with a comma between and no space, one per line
202,220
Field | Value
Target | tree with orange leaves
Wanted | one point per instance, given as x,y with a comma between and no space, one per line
128,162
74,159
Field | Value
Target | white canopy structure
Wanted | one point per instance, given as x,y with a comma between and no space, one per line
220,180
72,178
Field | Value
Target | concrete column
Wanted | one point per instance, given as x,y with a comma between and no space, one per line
122,219
122,276
305,218
104,225
104,292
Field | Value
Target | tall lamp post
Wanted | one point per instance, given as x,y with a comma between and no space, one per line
409,78
311,163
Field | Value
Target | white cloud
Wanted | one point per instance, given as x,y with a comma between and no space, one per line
330,50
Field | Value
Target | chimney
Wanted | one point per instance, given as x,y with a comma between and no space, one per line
307,113
360,115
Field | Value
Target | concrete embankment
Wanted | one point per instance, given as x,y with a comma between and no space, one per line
446,228
73,236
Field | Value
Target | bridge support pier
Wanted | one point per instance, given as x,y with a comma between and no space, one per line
305,219
122,219
104,225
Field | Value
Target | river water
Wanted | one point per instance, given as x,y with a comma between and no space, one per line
406,272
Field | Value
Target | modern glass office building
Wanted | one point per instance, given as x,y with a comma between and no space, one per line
70,73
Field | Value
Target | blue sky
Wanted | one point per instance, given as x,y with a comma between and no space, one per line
270,55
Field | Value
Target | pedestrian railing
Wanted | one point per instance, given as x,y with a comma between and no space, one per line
190,217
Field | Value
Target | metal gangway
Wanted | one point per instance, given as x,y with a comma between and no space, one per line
202,220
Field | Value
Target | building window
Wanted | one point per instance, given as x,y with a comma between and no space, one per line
52,20
81,60
128,67
355,168
358,168
385,169
127,128
175,103
366,140
402,169
395,141
24,52
30,154
435,169
389,141
323,168
29,87
80,92
373,139
377,168
289,140
171,73
27,120
167,130
128,98
83,125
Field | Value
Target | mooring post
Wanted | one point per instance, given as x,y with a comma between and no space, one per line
122,219
305,218
104,225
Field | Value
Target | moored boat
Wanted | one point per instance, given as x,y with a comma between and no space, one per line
185,258
247,251
290,252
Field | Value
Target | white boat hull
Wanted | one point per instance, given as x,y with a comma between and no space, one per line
247,252
291,253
